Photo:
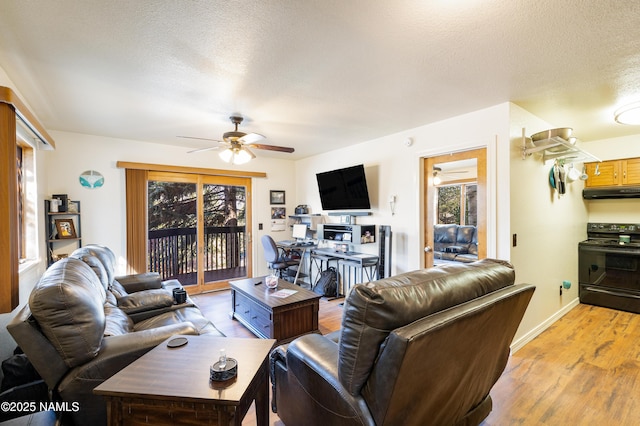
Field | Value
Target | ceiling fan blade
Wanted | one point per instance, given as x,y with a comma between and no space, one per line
251,138
202,139
273,148
210,148
249,152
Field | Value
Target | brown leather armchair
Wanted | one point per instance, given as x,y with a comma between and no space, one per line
420,348
76,335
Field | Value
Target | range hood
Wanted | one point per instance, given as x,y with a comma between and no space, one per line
609,193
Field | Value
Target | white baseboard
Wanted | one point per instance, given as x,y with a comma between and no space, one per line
517,344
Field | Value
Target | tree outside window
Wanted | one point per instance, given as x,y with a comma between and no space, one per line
457,204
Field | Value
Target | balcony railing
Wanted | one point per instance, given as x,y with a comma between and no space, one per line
173,253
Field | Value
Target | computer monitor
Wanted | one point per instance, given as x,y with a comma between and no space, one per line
299,231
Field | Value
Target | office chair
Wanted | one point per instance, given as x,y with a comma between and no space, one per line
276,257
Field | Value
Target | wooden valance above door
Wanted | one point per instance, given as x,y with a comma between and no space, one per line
185,169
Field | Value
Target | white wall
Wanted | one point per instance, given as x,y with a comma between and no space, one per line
103,209
395,169
548,230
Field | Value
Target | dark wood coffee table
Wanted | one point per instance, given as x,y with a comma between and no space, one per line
270,317
168,386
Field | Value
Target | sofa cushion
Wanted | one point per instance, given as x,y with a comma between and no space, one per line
444,236
118,290
102,253
96,265
68,303
189,314
373,310
116,321
145,300
465,235
139,282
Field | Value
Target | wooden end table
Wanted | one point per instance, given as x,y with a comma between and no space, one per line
271,317
168,386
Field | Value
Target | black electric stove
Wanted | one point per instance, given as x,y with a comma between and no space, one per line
609,266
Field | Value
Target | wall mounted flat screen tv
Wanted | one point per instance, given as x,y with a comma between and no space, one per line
344,189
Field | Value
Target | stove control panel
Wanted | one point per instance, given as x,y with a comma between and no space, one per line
614,228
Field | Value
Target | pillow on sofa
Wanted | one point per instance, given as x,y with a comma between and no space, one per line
145,300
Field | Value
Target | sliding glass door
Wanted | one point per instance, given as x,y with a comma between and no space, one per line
198,229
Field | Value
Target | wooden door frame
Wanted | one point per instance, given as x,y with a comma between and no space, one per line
429,190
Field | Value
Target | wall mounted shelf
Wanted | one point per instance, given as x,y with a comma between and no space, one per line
555,148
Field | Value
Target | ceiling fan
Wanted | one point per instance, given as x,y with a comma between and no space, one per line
438,172
235,144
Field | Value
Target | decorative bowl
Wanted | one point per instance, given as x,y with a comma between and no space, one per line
563,132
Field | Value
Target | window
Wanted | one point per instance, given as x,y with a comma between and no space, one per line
27,200
457,204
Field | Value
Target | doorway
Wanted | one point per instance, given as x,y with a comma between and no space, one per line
199,229
460,176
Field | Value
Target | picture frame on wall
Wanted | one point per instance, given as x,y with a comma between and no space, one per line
66,228
278,213
277,197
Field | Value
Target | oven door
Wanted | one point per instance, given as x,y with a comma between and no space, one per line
610,277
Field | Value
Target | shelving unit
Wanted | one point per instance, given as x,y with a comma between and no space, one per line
312,220
54,244
555,148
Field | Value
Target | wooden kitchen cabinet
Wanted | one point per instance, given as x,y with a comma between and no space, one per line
631,171
613,173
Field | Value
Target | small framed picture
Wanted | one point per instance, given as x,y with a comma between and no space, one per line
66,228
277,197
73,207
278,213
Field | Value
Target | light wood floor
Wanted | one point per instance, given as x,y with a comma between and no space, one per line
583,370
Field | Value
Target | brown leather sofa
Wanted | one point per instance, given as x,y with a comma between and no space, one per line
420,348
77,334
455,242
140,296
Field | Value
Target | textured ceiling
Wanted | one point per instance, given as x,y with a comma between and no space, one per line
317,75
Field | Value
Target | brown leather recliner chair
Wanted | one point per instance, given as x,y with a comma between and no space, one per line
76,336
420,348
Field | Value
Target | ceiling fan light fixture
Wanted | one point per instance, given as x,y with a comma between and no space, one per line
436,178
628,114
226,155
235,156
242,157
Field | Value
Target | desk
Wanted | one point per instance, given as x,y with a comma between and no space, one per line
171,386
352,260
302,249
